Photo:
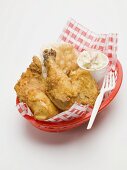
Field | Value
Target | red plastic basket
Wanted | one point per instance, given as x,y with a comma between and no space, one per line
67,125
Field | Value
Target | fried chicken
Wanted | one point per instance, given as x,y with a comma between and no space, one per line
59,86
31,89
66,57
64,84
65,90
85,86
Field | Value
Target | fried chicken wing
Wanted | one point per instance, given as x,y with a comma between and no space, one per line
31,89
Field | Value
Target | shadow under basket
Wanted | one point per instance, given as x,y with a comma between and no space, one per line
67,125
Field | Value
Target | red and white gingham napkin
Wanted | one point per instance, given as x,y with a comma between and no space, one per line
82,39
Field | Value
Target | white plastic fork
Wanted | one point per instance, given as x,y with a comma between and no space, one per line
108,84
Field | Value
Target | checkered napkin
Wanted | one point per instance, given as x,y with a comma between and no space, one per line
82,39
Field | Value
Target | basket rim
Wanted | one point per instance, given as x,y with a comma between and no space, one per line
83,118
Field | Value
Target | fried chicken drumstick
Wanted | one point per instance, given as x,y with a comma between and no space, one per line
59,86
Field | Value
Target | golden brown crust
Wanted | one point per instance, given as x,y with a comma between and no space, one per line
59,86
31,89
36,66
64,90
85,86
65,84
66,57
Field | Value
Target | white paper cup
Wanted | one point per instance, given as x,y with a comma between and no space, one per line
98,74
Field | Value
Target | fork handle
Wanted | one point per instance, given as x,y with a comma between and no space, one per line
95,109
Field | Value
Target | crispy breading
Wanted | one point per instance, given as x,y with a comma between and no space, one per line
31,89
85,86
66,57
64,85
64,90
59,86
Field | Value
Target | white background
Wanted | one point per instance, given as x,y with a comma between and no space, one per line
25,25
